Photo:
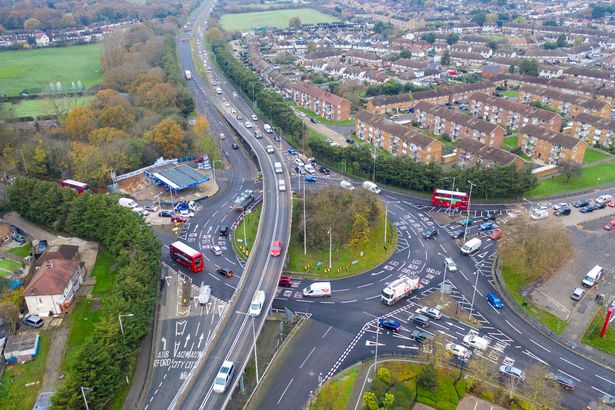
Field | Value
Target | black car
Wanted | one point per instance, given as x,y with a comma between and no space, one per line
600,205
277,138
430,233
314,120
234,146
457,234
225,271
224,230
587,209
489,217
581,203
165,214
350,141
324,170
562,211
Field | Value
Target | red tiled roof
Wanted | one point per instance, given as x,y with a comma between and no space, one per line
52,277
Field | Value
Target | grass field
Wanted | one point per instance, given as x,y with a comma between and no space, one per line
251,227
22,251
592,334
511,93
593,155
43,106
273,18
7,266
593,176
22,392
334,395
31,71
321,119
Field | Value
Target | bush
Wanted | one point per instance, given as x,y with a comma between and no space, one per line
405,394
385,375
370,400
379,387
428,379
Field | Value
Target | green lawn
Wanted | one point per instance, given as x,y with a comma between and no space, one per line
593,176
514,283
20,393
251,227
511,93
593,155
102,271
374,254
321,119
335,393
7,266
493,37
511,142
592,334
22,251
273,18
31,71
44,106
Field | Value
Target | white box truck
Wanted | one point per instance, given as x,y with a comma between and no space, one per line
399,289
371,187
127,203
258,300
204,294
268,128
318,289
471,246
472,339
188,75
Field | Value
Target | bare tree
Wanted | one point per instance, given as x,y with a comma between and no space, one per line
541,389
570,169
9,312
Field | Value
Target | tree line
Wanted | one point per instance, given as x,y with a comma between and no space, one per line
104,358
402,172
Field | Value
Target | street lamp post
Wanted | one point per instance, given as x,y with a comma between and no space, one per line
329,247
443,280
83,394
374,155
253,344
376,350
465,231
304,223
386,217
213,166
121,325
474,292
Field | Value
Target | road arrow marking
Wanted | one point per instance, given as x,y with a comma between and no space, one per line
164,343
167,279
407,347
180,327
220,309
376,273
175,348
187,340
209,229
198,346
370,343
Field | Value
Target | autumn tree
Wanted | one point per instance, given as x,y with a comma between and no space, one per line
168,137
80,122
160,97
214,34
570,169
115,116
107,97
294,22
102,136
204,142
31,24
38,163
94,164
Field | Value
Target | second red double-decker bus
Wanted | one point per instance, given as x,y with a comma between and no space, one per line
78,187
450,199
185,255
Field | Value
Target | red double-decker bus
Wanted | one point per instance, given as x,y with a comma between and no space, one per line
450,199
185,255
78,187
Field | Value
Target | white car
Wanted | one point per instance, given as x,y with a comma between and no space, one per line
226,104
269,149
537,214
604,198
233,111
512,371
224,376
186,213
433,313
309,169
254,117
216,250
234,94
460,351
560,205
299,162
450,264
248,124
222,136
347,185
302,114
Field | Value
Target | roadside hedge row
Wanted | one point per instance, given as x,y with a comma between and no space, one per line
104,359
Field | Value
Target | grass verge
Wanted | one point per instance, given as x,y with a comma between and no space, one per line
593,176
593,155
511,142
21,251
511,93
320,118
334,395
20,383
241,236
272,18
514,283
592,334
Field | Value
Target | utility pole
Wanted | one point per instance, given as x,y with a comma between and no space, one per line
329,247
304,222
465,231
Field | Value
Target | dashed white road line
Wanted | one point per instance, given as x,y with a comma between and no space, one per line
541,346
285,390
372,297
572,377
598,390
327,332
606,380
570,363
308,356
348,301
364,286
514,328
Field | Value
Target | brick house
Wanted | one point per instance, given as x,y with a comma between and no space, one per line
550,147
569,105
593,129
328,105
470,153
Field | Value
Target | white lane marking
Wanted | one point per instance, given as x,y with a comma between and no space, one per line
386,277
533,356
570,363
308,356
572,377
606,380
464,275
442,326
348,301
372,297
327,332
509,324
340,290
541,346
284,392
327,303
363,286
599,390
496,311
305,301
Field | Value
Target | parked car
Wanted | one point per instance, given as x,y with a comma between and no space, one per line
349,141
150,208
587,209
486,226
610,226
577,294
562,380
512,372
292,151
309,178
276,248
324,170
560,205
459,350
430,233
389,324
581,203
562,211
225,272
489,217
466,221
604,198
496,234
33,321
494,300
611,204
299,162
599,205
537,213
285,281
458,234
165,214
450,264
314,120
179,219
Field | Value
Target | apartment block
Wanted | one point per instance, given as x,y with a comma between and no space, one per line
330,106
550,147
512,114
472,153
440,120
593,129
569,105
591,76
397,139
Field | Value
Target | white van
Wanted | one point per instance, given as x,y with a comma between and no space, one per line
267,128
127,202
318,289
204,294
347,185
370,186
471,246
281,185
278,167
592,276
309,169
472,339
258,300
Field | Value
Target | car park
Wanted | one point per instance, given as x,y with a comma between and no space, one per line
225,272
216,250
430,234
431,312
466,221
494,300
562,211
292,151
486,226
224,377
610,225
276,248
309,178
577,294
560,205
450,264
234,145
324,170
285,281
459,350
165,214
581,203
269,149
587,209
496,234
389,324
563,381
458,234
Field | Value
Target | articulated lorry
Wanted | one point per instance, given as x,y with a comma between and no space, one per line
399,289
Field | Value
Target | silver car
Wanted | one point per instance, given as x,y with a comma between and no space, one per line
450,264
512,372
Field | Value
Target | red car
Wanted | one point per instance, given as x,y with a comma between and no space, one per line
610,226
495,235
181,219
611,204
276,248
285,281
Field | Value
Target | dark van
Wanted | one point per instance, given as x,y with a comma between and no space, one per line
224,230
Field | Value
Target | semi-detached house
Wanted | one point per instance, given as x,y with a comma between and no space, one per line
471,153
569,105
550,147
593,129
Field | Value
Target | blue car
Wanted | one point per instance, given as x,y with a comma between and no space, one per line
309,178
292,151
389,324
495,300
587,209
486,226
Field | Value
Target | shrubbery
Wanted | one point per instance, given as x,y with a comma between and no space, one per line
104,359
